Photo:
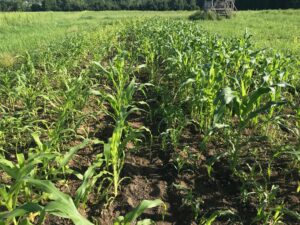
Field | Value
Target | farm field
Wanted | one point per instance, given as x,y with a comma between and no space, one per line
28,31
148,118
270,28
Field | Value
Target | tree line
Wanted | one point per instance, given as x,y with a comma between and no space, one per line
267,4
78,5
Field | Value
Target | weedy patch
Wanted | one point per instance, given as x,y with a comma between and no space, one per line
7,60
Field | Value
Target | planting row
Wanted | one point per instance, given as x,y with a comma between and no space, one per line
219,111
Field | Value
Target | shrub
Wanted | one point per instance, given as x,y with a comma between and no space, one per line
204,15
209,15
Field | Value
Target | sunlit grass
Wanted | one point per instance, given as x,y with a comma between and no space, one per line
25,31
278,29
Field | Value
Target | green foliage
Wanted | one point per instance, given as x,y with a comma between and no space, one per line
169,74
223,87
212,218
204,15
131,217
119,96
59,202
57,205
48,124
33,32
75,5
263,26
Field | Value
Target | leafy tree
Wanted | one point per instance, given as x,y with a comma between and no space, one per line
50,5
192,5
35,7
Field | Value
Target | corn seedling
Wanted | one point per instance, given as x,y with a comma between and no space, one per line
132,216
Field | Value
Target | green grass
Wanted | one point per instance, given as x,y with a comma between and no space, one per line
278,29
21,32
26,31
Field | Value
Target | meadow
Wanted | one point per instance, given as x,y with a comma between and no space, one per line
276,29
28,31
148,118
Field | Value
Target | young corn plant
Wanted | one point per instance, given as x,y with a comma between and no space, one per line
120,105
44,95
226,87
26,175
26,213
132,216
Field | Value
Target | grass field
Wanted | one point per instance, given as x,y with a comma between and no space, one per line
145,117
277,29
25,31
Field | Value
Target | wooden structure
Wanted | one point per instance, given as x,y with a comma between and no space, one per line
221,7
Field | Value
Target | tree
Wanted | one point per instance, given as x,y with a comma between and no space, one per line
35,7
50,5
192,5
177,5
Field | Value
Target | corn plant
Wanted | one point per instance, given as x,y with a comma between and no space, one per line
131,217
119,97
223,86
201,84
56,206
19,172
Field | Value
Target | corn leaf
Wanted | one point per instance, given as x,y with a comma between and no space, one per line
62,204
134,214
